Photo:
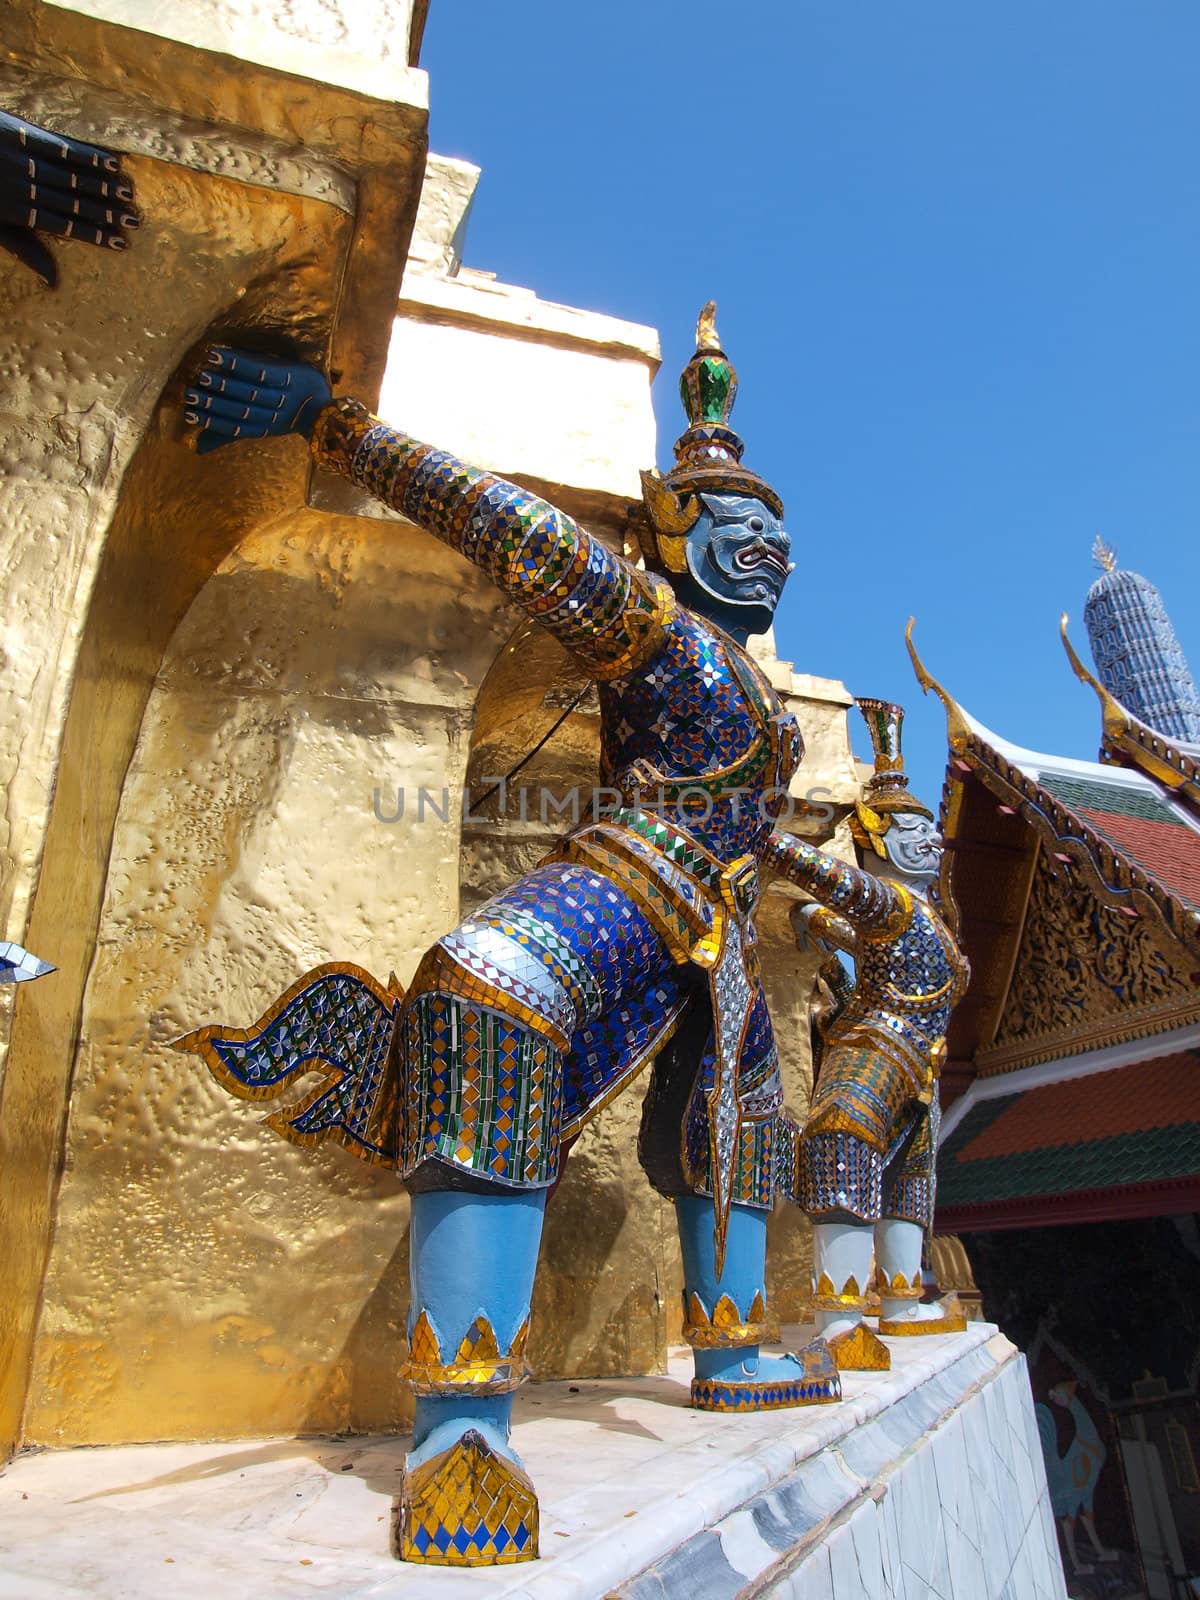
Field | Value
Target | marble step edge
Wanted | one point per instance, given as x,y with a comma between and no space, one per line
747,1552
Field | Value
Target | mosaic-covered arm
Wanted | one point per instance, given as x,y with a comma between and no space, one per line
869,904
826,925
606,612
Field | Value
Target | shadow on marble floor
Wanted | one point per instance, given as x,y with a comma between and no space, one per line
377,1461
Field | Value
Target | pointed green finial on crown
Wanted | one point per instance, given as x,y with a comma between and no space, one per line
708,384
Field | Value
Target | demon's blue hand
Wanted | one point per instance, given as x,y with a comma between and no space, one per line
237,395
61,187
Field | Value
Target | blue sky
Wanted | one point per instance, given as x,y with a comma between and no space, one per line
956,254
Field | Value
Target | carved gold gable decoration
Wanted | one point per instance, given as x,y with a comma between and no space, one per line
1087,975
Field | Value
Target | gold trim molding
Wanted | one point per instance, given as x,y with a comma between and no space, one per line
725,1329
477,1367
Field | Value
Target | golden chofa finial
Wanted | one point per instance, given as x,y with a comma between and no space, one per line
707,338
1116,719
958,729
1104,555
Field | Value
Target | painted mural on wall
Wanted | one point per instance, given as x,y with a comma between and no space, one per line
1113,1346
1081,1451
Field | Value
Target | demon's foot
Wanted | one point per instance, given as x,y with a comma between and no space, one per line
857,1349
742,1380
897,1318
467,1501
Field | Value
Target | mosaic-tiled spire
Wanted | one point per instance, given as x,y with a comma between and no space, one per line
1138,658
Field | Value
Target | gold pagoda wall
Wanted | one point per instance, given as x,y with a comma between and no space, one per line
227,675
270,202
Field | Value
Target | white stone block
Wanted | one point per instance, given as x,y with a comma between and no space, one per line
642,1499
894,1575
811,1581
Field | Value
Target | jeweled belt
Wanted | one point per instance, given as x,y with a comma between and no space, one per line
741,875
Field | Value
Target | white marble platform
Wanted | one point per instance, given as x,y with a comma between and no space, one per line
924,1481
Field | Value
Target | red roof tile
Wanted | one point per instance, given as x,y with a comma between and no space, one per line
1166,850
1147,1094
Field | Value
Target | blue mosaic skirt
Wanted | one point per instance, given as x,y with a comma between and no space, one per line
524,1021
518,1027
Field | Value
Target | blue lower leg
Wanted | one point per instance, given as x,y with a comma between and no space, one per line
472,1262
743,1275
742,1280
727,1319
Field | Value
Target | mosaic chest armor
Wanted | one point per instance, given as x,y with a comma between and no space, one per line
699,736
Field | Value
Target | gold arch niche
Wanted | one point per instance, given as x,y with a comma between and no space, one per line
138,532
207,1280
112,531
175,518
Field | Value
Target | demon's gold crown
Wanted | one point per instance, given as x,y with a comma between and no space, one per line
886,791
708,454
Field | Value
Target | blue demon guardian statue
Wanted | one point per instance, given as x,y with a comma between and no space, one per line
634,942
865,1160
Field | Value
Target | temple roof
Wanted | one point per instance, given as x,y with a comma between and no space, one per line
1121,1142
1119,814
1137,835
1072,1084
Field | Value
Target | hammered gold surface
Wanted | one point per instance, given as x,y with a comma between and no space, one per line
107,530
176,517
788,978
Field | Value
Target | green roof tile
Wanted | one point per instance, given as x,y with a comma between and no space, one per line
1142,1157
1090,794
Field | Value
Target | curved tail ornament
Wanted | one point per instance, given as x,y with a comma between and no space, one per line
1116,718
336,1021
957,727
